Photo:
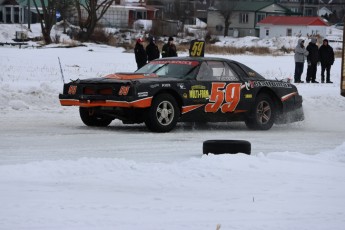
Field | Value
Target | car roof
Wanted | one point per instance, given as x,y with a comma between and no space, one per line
197,58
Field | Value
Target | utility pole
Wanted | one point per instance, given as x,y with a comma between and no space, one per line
29,14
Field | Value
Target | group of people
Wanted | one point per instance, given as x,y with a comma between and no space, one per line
314,56
151,52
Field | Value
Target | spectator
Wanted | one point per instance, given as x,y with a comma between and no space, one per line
169,49
326,56
312,59
152,50
140,53
300,54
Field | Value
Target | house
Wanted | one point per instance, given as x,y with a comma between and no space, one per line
121,14
244,17
11,12
324,11
280,26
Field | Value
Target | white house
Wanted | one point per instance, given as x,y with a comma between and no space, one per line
280,26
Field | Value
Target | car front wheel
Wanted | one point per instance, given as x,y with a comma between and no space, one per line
163,114
263,114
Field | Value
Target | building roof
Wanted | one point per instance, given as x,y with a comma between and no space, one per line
252,6
293,20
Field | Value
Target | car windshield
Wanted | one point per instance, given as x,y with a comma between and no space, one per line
170,68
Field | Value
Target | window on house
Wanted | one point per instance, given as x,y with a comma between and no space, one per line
289,32
243,18
140,15
260,16
308,12
294,10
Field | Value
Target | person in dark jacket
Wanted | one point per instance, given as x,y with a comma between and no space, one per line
152,50
140,53
169,49
326,56
312,59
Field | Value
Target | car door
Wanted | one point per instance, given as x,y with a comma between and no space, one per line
218,88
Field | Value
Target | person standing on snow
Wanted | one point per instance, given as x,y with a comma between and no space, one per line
326,55
169,49
300,54
312,59
152,50
140,53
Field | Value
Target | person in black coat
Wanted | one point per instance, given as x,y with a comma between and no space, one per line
312,59
326,56
169,49
140,53
152,50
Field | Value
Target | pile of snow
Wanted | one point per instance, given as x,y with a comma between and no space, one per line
8,32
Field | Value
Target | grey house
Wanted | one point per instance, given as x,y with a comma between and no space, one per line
244,18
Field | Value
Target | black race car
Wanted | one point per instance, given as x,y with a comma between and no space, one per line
185,89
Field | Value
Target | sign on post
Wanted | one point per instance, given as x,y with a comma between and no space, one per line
342,80
197,48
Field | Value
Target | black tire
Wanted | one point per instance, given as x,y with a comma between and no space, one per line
163,114
263,114
90,118
226,146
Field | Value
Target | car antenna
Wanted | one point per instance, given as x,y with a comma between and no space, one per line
62,76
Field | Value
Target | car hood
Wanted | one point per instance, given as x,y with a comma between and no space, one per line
126,77
130,76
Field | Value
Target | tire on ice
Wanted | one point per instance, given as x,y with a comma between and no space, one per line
163,114
263,115
226,146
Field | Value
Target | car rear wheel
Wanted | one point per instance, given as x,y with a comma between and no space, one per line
163,114
90,118
263,114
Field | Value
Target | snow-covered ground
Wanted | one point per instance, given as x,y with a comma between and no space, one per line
56,173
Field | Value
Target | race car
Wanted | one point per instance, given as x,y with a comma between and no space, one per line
185,89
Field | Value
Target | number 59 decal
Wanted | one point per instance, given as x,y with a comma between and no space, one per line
197,48
221,92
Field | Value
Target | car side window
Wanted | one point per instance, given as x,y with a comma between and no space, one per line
205,72
216,71
228,74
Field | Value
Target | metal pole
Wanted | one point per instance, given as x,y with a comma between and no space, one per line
29,14
342,77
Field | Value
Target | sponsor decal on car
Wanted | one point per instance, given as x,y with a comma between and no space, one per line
124,90
165,85
198,87
248,96
181,85
143,94
192,63
198,93
272,84
72,89
154,86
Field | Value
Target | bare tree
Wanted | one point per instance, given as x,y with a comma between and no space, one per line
47,17
94,11
226,9
66,9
